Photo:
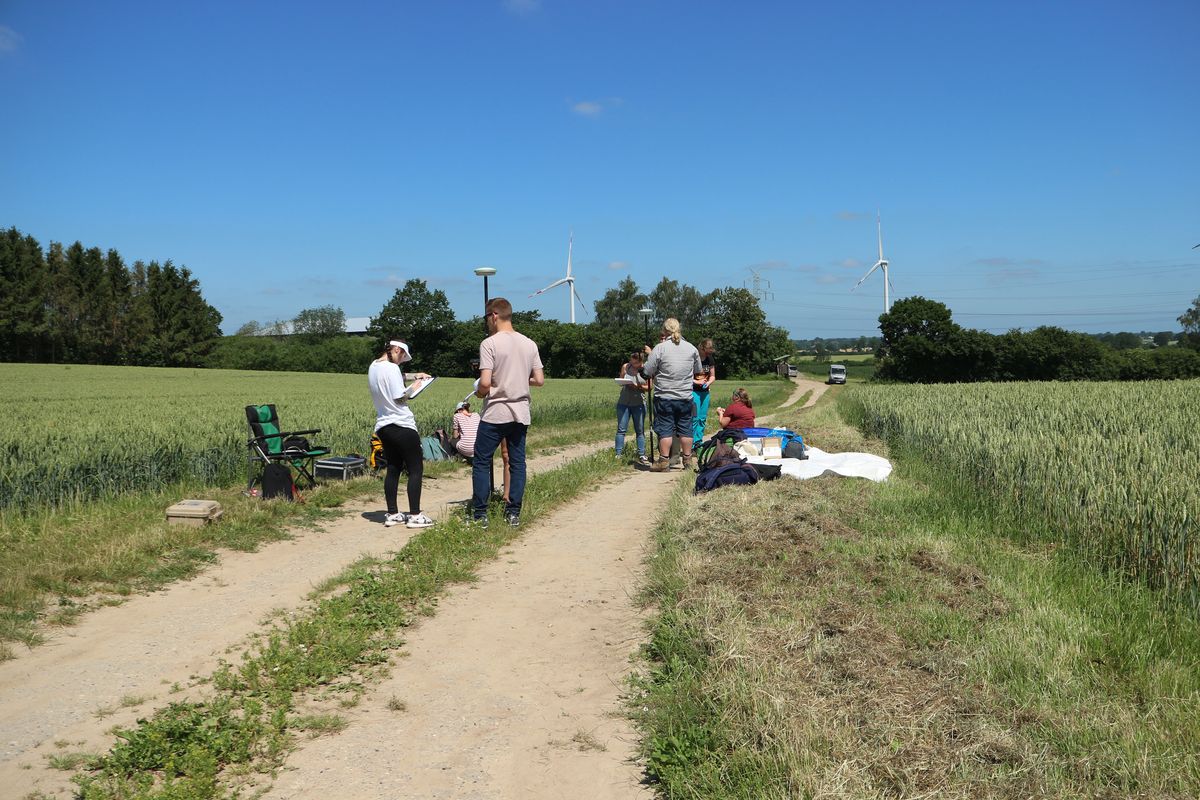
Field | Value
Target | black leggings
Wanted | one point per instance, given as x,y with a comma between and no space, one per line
402,447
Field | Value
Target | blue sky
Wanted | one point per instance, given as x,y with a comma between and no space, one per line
1034,163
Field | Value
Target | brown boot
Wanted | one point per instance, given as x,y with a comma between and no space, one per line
687,462
660,465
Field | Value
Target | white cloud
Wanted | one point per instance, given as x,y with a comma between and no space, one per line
618,265
391,281
828,279
594,108
522,7
851,263
851,216
10,40
587,108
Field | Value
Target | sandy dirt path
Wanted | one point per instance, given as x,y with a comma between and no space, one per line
513,689
805,385
124,659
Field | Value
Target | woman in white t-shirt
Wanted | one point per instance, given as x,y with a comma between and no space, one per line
396,428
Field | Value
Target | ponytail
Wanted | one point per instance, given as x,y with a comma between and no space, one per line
671,328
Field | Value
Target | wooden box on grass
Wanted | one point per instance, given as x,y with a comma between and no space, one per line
194,513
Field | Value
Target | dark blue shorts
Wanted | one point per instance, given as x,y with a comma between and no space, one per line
673,418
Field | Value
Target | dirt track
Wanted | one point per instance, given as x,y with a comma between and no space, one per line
805,385
139,649
512,689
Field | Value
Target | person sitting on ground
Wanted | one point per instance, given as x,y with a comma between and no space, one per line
465,425
740,413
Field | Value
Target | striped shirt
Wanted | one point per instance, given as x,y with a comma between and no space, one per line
466,426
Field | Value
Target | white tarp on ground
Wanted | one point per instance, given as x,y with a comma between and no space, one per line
848,465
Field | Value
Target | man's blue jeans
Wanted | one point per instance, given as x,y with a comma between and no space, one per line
638,414
486,441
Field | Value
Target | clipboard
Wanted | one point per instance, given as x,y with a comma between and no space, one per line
416,387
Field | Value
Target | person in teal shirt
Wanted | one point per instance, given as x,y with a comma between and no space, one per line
700,388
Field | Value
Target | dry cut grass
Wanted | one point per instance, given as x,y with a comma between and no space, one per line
831,638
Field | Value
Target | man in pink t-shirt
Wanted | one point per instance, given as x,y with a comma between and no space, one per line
509,364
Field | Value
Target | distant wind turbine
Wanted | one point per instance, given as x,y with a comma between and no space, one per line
882,262
572,295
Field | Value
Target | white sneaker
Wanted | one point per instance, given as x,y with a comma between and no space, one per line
418,521
395,519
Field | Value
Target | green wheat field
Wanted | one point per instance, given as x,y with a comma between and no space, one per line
77,433
1107,467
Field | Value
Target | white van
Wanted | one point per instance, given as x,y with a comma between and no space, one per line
837,374
793,371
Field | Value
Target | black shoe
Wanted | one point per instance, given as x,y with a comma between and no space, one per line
513,520
477,522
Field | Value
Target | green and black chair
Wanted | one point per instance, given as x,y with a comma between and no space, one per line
269,444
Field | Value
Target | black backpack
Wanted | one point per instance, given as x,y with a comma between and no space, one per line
296,443
768,472
795,449
728,475
277,482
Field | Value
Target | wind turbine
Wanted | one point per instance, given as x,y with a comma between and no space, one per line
882,262
569,281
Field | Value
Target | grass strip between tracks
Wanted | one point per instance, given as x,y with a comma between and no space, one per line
836,638
322,656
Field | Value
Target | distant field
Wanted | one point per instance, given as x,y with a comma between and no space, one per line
1107,467
839,358
858,366
79,432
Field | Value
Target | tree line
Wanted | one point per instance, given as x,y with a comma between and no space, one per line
921,343
444,345
85,305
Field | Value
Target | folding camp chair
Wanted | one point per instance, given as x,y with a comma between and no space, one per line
270,445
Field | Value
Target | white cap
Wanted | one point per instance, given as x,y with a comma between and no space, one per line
407,354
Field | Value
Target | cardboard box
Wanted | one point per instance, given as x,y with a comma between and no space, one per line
772,447
340,468
194,513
